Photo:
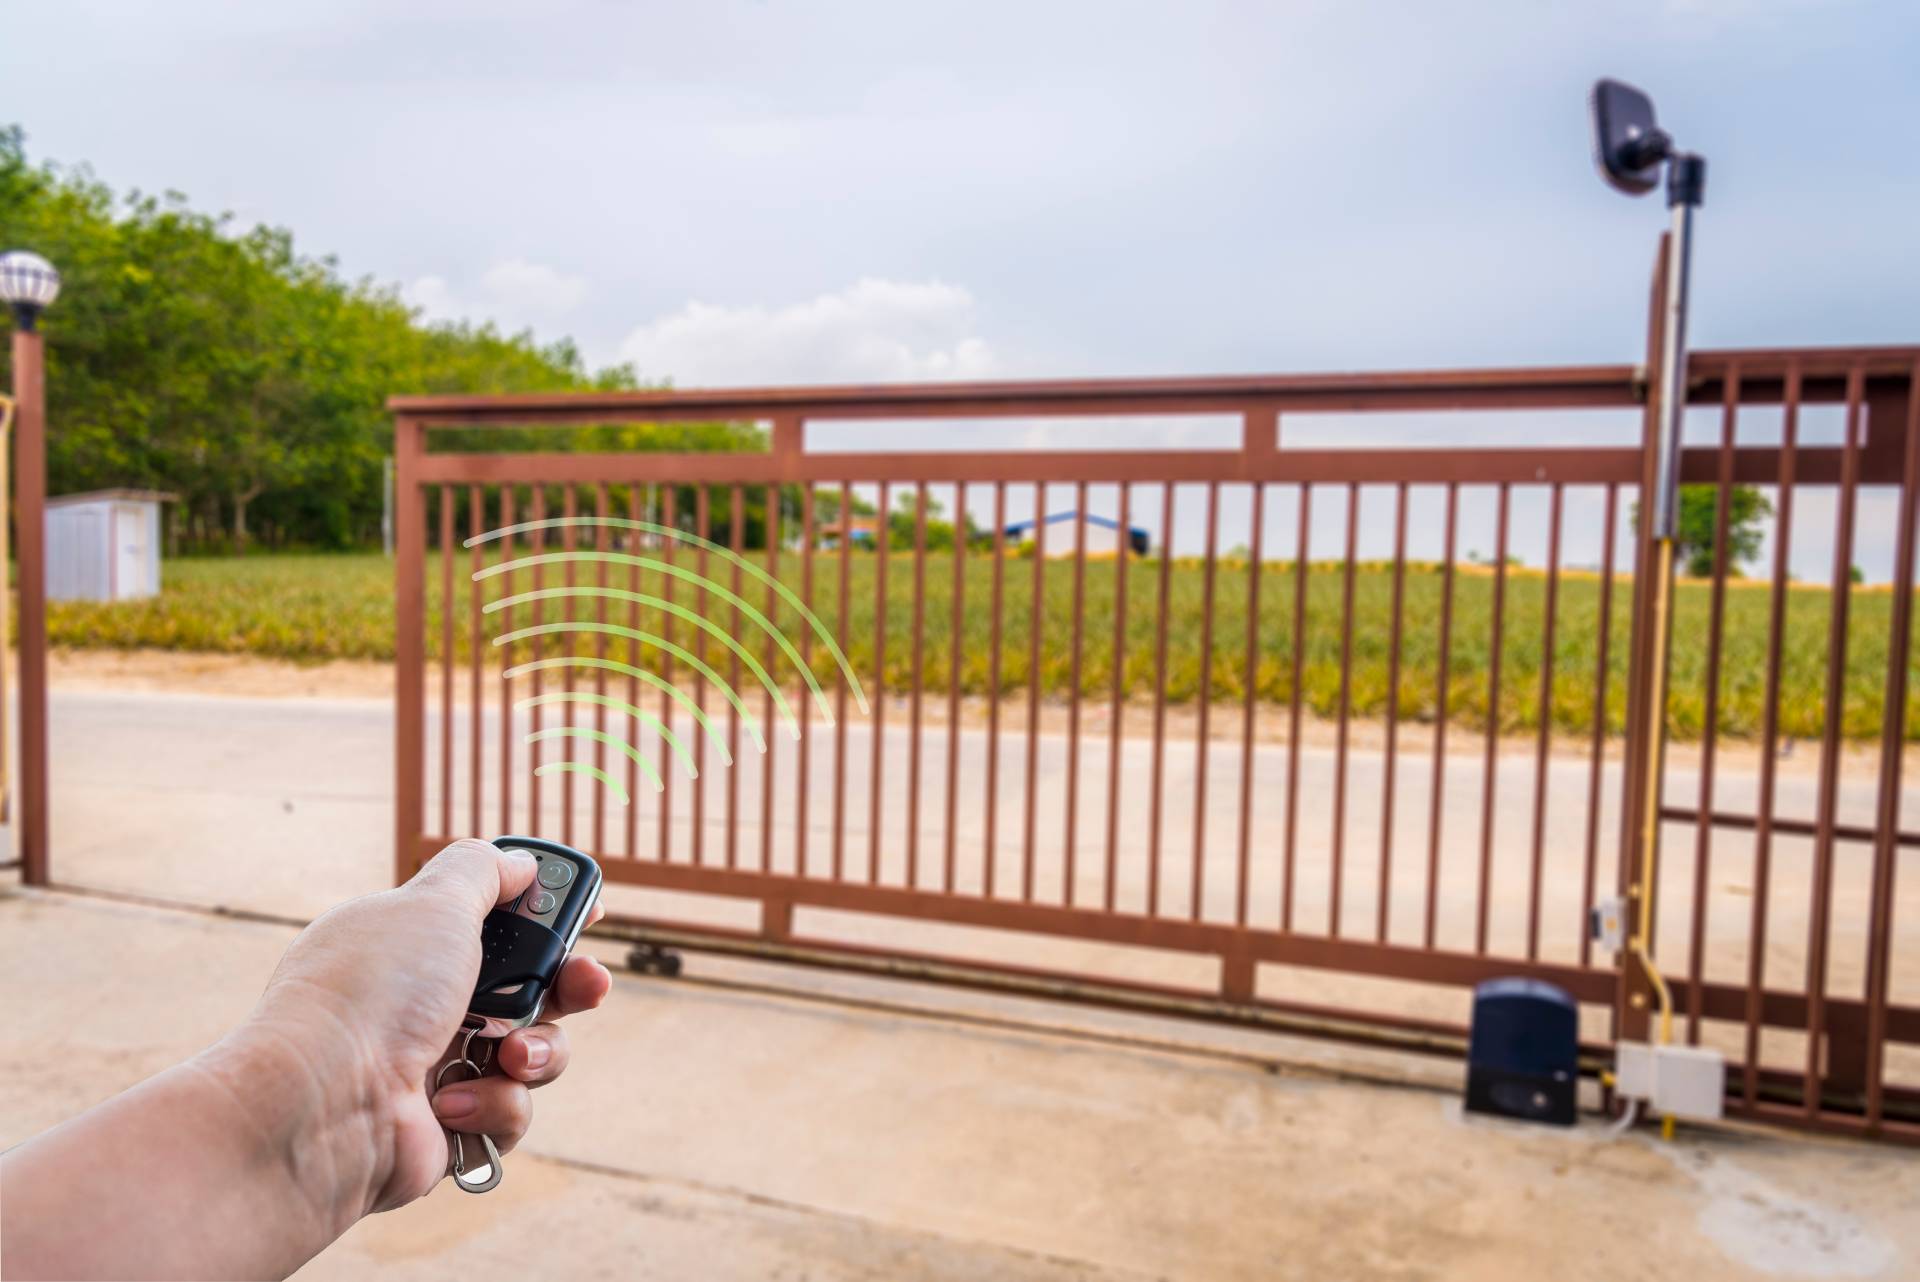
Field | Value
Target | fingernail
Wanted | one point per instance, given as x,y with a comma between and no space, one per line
537,1052
455,1102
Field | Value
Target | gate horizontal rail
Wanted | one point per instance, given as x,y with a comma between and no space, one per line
1084,822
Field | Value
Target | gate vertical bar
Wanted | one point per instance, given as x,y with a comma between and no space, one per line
804,762
991,854
883,536
1155,798
569,542
1489,781
1442,690
918,697
1545,718
1073,691
1710,732
1251,682
736,539
476,523
1770,736
1036,624
961,527
1337,872
1204,694
602,544
1819,923
1596,761
1392,753
507,545
446,660
409,649
1119,692
1892,746
1300,567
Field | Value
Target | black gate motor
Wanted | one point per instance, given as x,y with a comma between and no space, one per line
1524,1057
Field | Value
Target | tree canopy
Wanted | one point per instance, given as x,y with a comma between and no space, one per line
250,379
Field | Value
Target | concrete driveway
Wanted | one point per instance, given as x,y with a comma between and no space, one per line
750,1122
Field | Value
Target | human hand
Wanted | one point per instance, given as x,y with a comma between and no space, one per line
370,997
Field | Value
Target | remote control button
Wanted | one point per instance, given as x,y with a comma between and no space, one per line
543,902
555,873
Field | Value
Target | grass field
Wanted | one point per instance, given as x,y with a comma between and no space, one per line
313,607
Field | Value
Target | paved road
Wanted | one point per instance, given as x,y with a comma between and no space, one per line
284,805
709,1129
723,1129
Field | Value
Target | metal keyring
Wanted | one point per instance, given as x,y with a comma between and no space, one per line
457,1165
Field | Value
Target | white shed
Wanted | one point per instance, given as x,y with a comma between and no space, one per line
104,545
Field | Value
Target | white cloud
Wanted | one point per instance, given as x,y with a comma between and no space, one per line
513,293
873,331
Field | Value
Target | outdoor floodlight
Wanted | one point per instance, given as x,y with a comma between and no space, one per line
28,284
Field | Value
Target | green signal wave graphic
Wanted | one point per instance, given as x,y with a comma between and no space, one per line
648,638
583,768
641,598
667,567
614,665
618,705
600,736
666,531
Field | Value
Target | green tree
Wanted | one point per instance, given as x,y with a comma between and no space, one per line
1747,511
251,380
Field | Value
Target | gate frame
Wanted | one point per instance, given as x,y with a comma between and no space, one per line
1888,378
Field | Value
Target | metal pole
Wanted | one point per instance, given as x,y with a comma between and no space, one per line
1673,375
30,471
1686,182
6,489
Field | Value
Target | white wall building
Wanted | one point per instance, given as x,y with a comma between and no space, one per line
104,545
1104,538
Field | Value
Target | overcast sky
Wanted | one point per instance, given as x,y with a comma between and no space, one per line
775,192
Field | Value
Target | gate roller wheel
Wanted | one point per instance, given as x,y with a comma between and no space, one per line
651,959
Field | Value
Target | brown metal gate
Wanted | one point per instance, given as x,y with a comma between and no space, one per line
1227,779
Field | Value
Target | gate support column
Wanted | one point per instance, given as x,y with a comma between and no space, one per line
30,516
409,647
1633,999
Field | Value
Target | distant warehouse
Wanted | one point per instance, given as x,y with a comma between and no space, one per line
1104,537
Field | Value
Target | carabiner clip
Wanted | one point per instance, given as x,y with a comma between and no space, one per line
492,1169
457,1165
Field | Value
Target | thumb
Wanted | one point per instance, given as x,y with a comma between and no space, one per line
476,873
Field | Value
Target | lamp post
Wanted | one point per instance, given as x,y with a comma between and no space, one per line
28,284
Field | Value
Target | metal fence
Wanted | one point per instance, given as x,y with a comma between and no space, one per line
1306,763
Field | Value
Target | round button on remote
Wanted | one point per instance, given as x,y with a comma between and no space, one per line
543,901
555,873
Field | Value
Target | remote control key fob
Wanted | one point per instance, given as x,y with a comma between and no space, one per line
524,942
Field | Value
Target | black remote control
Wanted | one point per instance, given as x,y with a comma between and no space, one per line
523,943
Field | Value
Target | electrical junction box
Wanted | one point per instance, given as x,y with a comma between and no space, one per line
1607,924
1677,1081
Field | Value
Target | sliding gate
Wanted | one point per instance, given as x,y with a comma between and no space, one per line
1313,724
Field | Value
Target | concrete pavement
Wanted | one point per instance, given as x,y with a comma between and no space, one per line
712,1129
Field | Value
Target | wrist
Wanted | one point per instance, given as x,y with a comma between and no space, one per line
310,1125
